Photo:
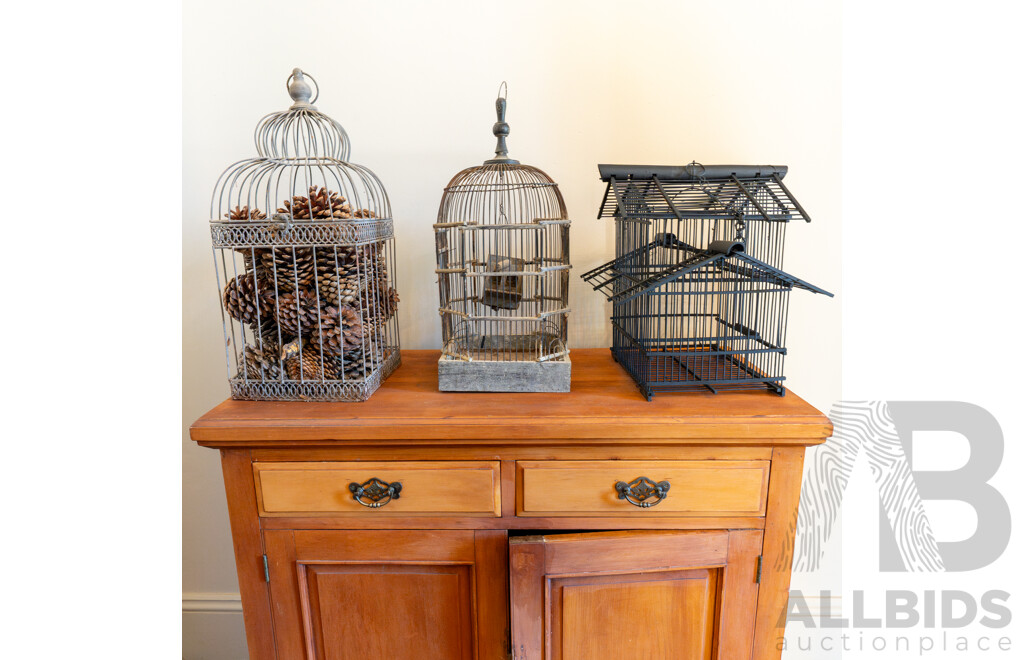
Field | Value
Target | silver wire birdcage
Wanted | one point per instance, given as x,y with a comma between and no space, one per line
502,238
303,244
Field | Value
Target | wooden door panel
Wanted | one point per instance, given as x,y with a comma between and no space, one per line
426,546
624,552
401,595
381,611
641,595
658,616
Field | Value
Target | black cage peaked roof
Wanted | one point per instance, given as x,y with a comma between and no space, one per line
753,192
623,280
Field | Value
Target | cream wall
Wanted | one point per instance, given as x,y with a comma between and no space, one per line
414,85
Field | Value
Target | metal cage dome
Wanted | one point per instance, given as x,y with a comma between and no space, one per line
298,149
301,131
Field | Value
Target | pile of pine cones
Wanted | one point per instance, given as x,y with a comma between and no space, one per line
319,312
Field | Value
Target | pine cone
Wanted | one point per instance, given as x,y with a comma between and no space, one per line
375,264
288,265
335,288
341,259
335,328
308,366
357,366
364,213
262,362
242,300
383,305
253,266
378,306
338,274
340,330
244,213
321,204
296,312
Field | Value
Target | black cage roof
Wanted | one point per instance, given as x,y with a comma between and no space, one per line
636,274
753,192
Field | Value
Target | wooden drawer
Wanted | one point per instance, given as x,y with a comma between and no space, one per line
464,488
587,488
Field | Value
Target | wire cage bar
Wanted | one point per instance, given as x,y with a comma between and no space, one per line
502,242
699,297
303,244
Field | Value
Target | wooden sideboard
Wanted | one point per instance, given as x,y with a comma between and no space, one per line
526,526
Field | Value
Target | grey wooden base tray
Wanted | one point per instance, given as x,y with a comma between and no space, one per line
503,376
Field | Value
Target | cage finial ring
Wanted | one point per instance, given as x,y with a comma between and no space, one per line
301,92
691,169
505,85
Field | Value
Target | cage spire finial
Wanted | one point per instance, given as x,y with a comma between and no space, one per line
501,130
299,89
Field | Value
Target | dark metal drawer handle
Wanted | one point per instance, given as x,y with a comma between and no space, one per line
642,491
377,492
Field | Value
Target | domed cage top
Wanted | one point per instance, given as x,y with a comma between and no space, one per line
502,239
303,244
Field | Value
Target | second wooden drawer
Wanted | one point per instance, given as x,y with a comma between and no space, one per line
465,488
588,488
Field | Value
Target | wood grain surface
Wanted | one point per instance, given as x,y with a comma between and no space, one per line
779,531
701,488
603,407
401,595
631,594
428,487
248,541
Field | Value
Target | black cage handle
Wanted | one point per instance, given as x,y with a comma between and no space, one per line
375,493
643,492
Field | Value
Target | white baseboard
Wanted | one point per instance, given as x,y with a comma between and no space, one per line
210,602
212,627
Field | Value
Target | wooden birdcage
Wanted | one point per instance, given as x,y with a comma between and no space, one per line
502,238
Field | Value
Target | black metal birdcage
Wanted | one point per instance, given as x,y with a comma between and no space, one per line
699,297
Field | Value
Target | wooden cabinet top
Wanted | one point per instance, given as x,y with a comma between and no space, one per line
604,407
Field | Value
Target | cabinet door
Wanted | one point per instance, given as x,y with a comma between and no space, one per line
401,595
638,595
